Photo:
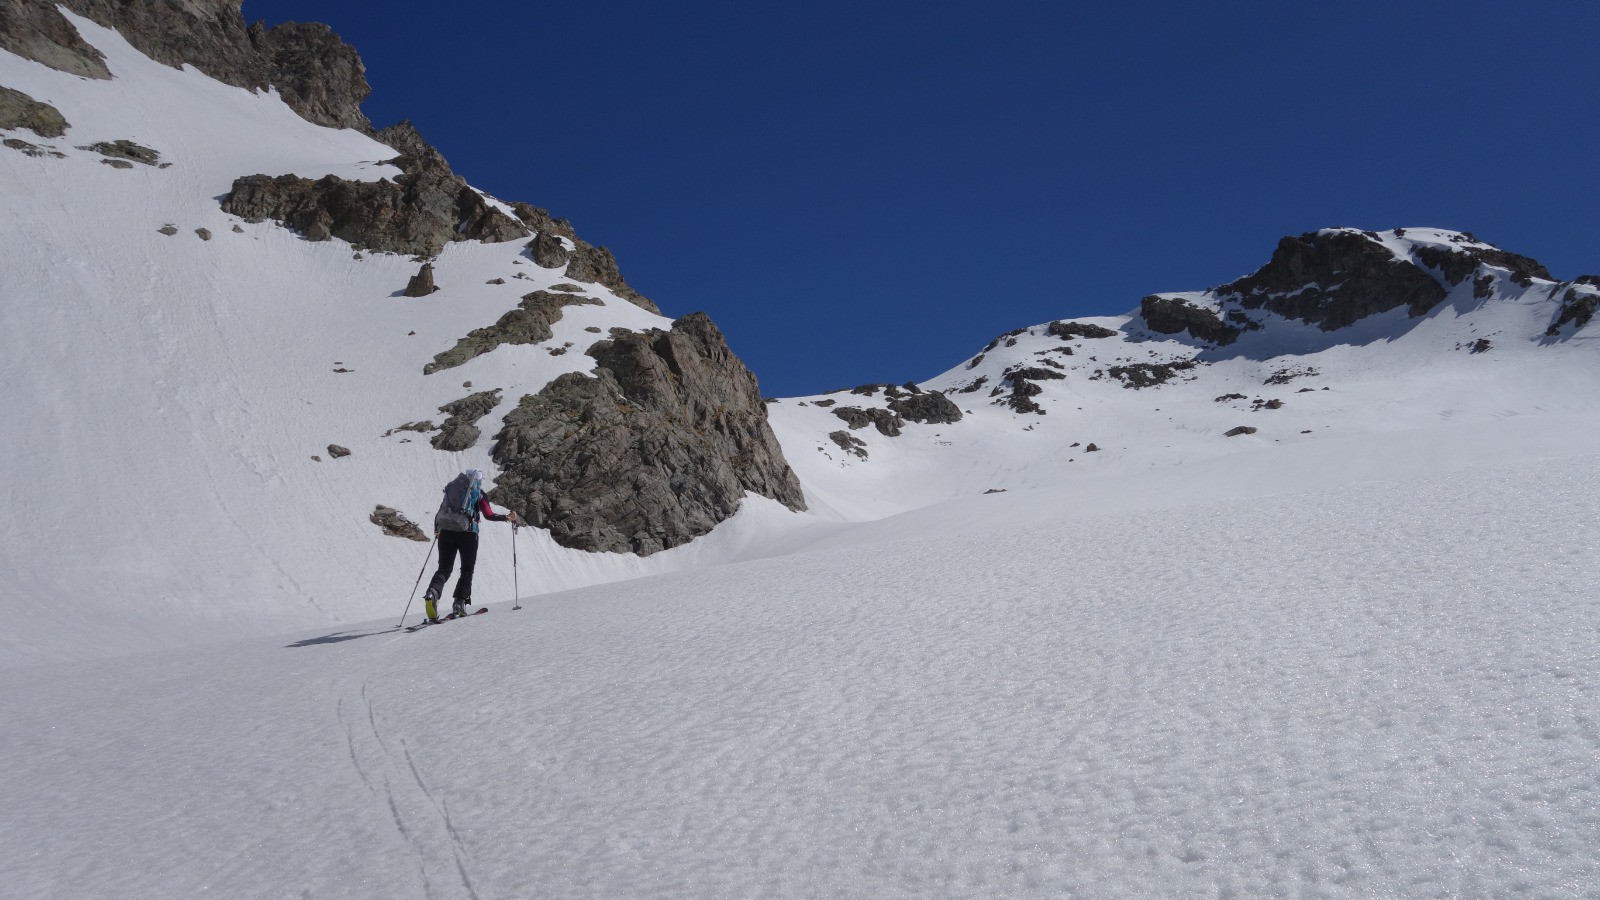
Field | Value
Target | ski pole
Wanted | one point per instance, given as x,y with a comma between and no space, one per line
419,580
516,594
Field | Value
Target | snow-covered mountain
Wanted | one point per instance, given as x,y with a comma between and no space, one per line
1281,588
217,376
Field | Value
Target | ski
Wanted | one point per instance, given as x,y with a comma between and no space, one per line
425,623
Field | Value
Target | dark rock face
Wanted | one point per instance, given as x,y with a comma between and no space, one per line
421,284
1069,330
548,251
1576,307
1459,263
460,431
1171,315
426,208
338,452
1024,382
18,110
529,323
396,524
931,407
1333,279
319,76
887,423
1242,429
653,451
540,221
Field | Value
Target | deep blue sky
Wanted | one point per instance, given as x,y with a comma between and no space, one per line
869,191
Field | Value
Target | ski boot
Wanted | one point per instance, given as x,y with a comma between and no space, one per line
430,606
458,609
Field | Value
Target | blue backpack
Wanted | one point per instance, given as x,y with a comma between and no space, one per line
456,512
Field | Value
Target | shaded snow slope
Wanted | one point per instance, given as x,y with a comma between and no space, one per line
1379,689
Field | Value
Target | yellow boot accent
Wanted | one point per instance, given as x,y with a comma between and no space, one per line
433,611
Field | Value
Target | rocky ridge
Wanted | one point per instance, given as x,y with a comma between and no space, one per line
318,75
653,450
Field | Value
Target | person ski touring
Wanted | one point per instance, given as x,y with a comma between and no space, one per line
456,527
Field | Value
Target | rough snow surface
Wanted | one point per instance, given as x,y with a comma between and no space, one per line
1384,690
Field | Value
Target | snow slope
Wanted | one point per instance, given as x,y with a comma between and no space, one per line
1376,689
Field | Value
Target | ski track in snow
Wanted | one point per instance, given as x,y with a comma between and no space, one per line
1385,690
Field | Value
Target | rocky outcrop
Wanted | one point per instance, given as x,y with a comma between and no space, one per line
1456,264
395,524
1172,315
887,423
32,149
927,407
36,30
547,250
655,449
849,443
18,110
1069,330
425,208
1577,305
421,284
1334,278
126,150
529,323
318,75
1144,375
596,265
461,431
1022,385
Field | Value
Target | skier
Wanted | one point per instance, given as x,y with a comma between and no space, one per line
456,527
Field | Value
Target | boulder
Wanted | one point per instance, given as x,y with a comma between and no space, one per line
421,284
395,524
460,431
1172,315
653,450
18,110
547,250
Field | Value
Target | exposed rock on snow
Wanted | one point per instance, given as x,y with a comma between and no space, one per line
849,443
1577,305
318,75
1242,429
931,407
203,233
529,323
1171,315
1067,330
653,451
547,250
395,524
887,423
128,150
461,431
426,208
36,30
32,149
1143,375
596,265
18,110
421,284
1332,279
338,452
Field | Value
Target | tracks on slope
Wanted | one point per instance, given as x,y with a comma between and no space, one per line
420,817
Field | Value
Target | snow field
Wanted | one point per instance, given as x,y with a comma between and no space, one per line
1380,690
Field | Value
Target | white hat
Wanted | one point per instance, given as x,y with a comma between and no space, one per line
474,474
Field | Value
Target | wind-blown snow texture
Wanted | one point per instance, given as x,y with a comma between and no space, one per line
1381,691
1349,654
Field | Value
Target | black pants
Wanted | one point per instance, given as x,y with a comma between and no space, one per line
451,543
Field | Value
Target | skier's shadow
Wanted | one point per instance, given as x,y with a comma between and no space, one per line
337,637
